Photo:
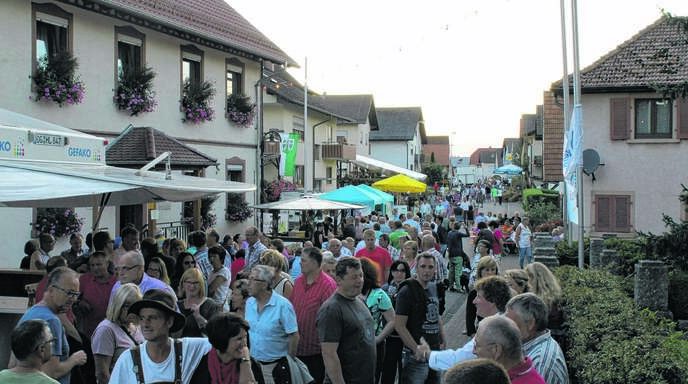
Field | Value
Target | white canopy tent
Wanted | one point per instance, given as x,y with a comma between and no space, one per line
370,163
45,165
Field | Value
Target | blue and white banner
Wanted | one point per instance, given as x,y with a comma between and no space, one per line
572,159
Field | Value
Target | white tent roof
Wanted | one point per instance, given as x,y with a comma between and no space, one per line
44,184
307,202
370,163
46,165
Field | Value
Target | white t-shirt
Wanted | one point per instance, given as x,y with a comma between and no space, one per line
220,297
193,349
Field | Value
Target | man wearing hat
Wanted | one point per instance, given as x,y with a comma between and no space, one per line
155,359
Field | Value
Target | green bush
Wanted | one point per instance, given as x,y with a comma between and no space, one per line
533,196
678,300
671,246
609,340
540,213
568,254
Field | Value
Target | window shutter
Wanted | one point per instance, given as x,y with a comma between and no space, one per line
619,127
622,214
603,214
682,120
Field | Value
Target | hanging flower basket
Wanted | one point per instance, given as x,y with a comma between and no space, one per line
55,80
237,208
240,110
274,189
58,222
196,102
134,93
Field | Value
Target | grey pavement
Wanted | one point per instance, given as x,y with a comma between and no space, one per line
454,317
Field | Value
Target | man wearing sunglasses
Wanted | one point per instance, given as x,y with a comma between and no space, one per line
61,292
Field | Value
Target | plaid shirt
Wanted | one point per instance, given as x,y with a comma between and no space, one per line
441,271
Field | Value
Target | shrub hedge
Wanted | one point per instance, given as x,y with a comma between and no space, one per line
609,340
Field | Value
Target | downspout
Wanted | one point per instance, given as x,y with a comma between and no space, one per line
259,148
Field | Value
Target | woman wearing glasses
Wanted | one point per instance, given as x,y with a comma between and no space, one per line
185,261
194,304
157,269
117,333
398,272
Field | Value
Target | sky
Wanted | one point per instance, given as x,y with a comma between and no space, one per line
473,66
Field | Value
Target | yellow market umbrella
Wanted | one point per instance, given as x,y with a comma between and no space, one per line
400,183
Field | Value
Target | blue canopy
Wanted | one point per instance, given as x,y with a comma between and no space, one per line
384,195
353,195
509,169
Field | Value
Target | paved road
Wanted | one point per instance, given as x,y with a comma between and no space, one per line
454,316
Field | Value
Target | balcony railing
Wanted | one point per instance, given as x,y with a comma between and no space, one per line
337,151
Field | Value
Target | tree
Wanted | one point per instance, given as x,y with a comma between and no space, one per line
432,157
434,172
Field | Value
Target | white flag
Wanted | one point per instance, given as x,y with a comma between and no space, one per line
573,157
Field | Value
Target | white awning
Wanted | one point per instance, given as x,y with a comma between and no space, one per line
54,184
370,163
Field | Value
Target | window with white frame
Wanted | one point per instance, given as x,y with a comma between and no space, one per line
52,28
234,77
129,50
653,118
298,126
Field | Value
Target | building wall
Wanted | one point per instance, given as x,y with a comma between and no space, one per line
648,171
393,152
553,138
441,153
94,43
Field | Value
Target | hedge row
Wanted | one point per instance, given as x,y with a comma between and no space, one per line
611,341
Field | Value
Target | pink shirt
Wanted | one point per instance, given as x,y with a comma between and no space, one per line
381,258
307,300
97,295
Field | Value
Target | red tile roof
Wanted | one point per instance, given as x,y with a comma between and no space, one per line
654,56
137,146
212,19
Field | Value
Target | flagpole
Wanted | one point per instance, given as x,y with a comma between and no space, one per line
576,102
567,108
308,137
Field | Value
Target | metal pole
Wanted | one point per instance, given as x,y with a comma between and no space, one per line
567,109
259,151
576,101
308,137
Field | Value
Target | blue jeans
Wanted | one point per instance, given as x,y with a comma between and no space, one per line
416,371
525,256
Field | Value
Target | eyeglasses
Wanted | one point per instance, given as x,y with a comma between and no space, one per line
45,343
125,268
73,294
189,263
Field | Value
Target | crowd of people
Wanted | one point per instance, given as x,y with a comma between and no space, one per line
357,303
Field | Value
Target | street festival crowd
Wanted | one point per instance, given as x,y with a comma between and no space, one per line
358,302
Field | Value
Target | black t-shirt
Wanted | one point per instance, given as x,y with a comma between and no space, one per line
423,315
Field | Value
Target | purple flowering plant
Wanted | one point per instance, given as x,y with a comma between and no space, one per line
274,189
134,93
196,102
240,110
58,222
55,80
237,208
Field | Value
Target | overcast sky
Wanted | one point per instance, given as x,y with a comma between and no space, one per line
474,66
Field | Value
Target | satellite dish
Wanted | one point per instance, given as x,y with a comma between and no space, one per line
591,161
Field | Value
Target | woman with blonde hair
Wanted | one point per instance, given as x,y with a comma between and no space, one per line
487,266
543,283
409,251
157,269
117,332
518,280
194,304
281,281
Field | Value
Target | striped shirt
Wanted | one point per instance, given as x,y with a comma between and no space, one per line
307,300
548,358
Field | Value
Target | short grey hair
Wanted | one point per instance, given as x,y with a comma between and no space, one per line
265,272
530,307
501,330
